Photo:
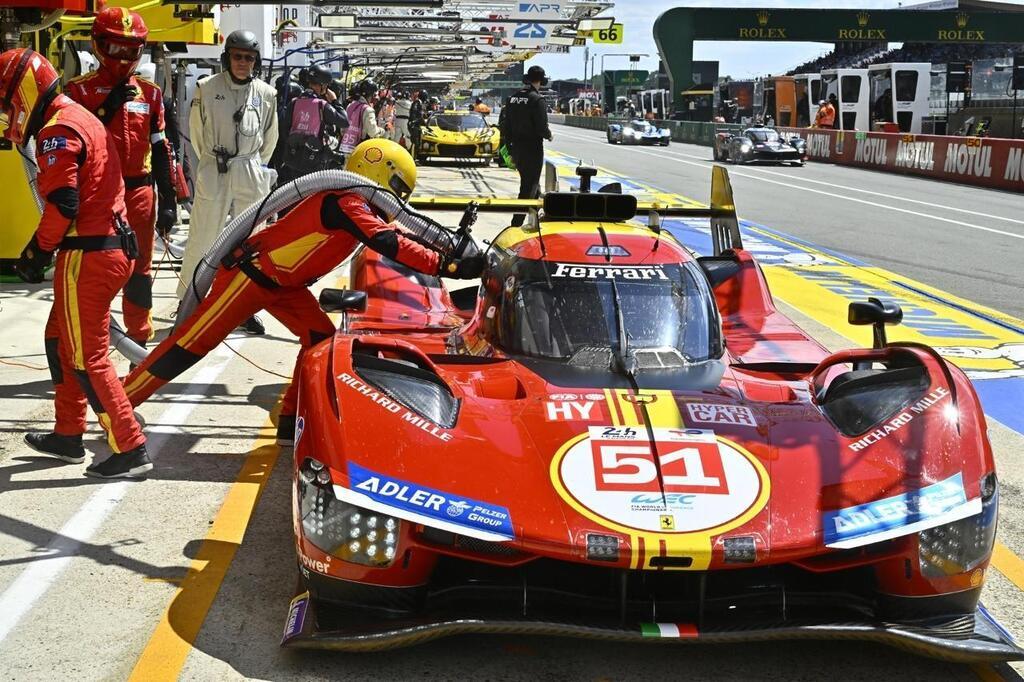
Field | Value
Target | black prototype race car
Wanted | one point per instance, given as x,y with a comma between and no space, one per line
760,144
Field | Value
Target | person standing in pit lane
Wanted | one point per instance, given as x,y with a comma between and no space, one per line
233,124
84,221
132,109
400,133
273,269
313,120
416,119
524,127
362,119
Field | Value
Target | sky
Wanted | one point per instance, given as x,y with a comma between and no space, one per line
737,59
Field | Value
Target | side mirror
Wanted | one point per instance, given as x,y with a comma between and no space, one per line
343,301
876,313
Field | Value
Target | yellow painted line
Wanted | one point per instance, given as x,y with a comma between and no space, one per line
172,640
1009,564
168,647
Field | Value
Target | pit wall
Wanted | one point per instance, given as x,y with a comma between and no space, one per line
985,162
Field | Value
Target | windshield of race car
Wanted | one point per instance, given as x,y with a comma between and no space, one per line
458,122
763,135
640,126
565,310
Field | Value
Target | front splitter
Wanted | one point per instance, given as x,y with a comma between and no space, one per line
971,639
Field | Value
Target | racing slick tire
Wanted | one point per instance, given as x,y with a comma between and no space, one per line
665,144
609,136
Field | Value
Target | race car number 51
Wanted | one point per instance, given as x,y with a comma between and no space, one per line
694,468
620,477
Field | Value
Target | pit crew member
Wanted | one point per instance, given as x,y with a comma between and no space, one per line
84,221
132,109
233,124
272,270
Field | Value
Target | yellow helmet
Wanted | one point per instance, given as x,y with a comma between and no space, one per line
386,163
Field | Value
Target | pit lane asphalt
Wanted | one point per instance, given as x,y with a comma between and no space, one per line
89,572
965,240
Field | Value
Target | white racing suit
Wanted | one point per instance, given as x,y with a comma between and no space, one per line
241,119
401,130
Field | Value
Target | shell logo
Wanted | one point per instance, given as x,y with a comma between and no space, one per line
373,155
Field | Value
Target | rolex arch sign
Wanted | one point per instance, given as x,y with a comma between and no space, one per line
676,30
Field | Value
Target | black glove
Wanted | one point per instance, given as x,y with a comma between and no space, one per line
469,267
166,217
33,263
124,92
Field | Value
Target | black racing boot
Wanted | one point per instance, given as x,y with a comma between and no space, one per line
286,429
253,327
65,448
131,464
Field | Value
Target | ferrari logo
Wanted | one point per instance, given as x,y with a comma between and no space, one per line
126,21
668,522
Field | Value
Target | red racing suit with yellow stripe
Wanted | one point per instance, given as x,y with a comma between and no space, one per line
272,271
80,180
136,122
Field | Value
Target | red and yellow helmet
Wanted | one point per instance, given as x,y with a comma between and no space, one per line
118,38
27,83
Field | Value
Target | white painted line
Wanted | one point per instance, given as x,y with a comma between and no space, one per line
737,173
22,594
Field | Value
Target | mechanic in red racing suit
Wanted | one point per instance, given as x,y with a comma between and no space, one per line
132,109
272,270
83,218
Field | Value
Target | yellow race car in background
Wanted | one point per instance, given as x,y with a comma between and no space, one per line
458,135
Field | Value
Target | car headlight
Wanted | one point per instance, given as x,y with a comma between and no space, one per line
960,546
343,530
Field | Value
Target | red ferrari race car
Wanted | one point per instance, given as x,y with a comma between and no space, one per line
613,438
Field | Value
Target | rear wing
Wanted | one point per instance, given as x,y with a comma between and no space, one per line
596,206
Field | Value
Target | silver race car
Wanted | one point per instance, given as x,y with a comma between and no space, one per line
638,132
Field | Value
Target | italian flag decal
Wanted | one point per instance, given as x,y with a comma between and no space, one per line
669,630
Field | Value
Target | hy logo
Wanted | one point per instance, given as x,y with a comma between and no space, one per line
863,18
762,17
962,19
456,508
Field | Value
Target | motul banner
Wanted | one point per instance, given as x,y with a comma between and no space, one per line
983,161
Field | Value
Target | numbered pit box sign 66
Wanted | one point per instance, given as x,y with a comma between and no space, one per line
609,36
611,474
